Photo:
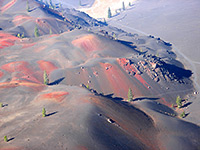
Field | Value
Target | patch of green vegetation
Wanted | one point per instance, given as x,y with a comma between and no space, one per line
179,102
43,112
109,13
130,95
1,104
5,139
182,115
36,31
46,78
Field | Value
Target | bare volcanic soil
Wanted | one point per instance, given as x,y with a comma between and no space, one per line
90,67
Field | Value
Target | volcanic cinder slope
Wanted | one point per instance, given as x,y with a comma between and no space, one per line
76,50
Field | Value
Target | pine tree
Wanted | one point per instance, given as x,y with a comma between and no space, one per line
5,139
43,112
50,31
182,115
109,13
36,32
1,104
18,35
123,6
27,6
178,101
80,4
45,77
129,3
130,95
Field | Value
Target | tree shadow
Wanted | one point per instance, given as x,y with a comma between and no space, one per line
33,9
187,104
186,115
110,96
145,98
50,114
4,105
11,139
57,81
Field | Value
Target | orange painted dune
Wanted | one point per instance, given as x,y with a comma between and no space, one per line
21,19
8,5
22,69
88,43
57,96
7,40
47,66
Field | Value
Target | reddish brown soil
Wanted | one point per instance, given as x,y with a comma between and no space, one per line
88,43
47,66
57,96
7,40
1,74
22,71
41,48
8,5
21,19
131,68
118,81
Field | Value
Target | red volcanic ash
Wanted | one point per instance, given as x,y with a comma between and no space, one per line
88,43
22,71
1,74
8,5
57,96
7,40
125,64
47,66
21,19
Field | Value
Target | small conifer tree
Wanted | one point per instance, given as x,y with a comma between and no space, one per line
1,104
129,3
178,101
5,139
27,7
36,32
109,13
123,6
50,31
18,35
22,36
80,4
182,115
45,77
87,86
130,95
43,112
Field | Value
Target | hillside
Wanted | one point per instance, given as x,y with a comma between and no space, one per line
90,67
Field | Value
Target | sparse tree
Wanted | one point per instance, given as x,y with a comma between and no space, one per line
87,86
123,6
22,36
50,31
182,115
109,13
179,102
80,4
46,78
130,95
104,20
18,35
36,32
5,139
1,104
129,4
43,112
27,6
